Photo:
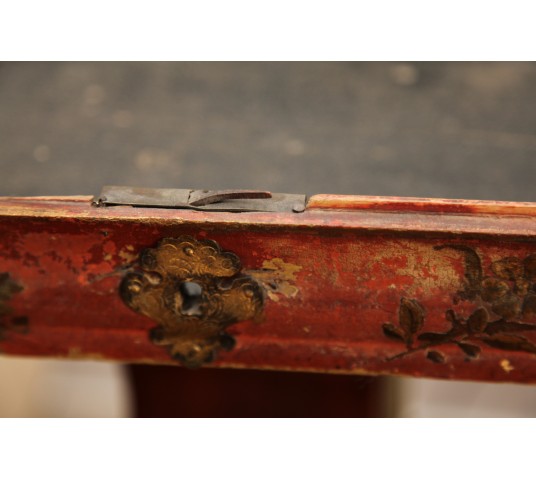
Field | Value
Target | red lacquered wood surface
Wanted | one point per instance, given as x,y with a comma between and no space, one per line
414,204
370,290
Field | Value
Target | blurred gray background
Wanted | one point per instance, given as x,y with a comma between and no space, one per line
434,129
458,130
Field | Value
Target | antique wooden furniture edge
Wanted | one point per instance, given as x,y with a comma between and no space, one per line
349,284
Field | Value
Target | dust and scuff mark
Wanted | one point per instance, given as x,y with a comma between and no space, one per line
278,278
506,365
425,271
110,249
371,266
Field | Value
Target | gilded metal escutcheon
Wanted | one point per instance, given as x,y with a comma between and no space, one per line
194,291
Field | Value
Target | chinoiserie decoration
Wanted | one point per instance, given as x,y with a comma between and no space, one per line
194,291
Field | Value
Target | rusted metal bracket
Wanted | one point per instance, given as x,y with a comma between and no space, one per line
207,200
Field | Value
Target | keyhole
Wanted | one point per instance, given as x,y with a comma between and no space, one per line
191,294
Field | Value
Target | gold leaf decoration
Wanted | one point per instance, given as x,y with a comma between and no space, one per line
503,303
194,291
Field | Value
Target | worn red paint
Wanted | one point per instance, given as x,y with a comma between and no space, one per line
354,268
414,204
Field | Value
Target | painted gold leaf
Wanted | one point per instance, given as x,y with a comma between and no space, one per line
392,331
411,316
469,349
478,320
494,289
435,356
507,341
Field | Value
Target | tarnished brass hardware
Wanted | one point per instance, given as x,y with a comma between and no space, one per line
194,291
208,200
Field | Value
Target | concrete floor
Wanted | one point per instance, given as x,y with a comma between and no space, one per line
443,130
458,130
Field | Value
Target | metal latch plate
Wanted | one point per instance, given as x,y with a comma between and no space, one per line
204,200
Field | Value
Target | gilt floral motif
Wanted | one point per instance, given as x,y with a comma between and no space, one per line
504,301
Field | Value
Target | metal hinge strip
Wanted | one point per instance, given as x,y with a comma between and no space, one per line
204,200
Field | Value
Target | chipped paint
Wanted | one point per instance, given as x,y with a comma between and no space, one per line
425,272
506,365
278,278
127,254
